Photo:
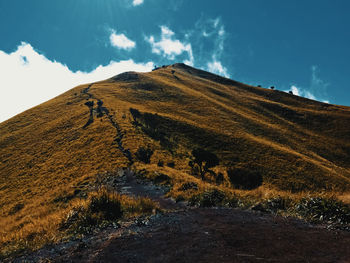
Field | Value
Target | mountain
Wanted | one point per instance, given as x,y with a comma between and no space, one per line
53,153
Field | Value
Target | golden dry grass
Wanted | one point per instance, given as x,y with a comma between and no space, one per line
47,157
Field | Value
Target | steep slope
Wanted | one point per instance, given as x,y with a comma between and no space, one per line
54,152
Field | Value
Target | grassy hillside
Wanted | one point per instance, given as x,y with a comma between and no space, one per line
51,155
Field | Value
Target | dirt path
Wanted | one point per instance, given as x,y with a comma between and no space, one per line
100,111
219,235
129,183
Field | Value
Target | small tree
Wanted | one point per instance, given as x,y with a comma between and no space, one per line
272,87
205,160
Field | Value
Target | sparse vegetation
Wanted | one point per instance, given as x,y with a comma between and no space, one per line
320,209
204,160
104,208
209,198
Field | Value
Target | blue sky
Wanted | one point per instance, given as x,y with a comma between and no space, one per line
48,47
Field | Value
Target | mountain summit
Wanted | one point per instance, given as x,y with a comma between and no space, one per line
154,123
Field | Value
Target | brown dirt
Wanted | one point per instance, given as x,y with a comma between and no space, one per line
218,235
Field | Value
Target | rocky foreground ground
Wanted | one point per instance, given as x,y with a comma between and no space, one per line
184,234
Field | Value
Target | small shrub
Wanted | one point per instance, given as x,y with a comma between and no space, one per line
209,198
204,160
103,207
144,154
234,202
318,209
188,186
244,179
107,205
160,163
272,205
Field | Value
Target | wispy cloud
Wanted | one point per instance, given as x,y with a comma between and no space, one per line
137,2
170,47
28,78
209,38
203,45
317,89
317,85
217,68
120,41
216,31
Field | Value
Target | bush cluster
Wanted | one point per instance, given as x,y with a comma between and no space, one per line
104,208
101,208
209,198
318,209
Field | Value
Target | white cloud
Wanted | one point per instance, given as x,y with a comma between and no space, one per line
305,93
217,68
209,39
29,78
317,89
169,47
137,2
121,41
